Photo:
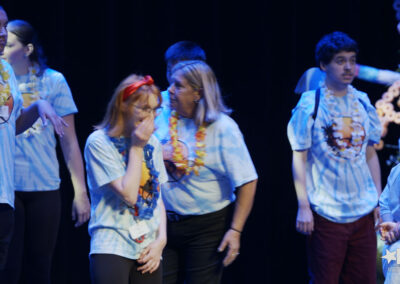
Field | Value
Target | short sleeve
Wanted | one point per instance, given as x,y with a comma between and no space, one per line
61,98
102,164
235,155
299,129
375,128
391,193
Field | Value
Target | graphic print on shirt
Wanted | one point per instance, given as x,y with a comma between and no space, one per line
6,109
345,137
146,185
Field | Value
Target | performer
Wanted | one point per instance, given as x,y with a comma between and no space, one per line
390,227
207,160
336,169
13,120
37,198
125,171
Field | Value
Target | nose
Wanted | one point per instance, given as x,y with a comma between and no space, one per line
347,65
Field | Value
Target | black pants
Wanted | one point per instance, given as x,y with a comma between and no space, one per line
113,269
191,254
37,218
6,231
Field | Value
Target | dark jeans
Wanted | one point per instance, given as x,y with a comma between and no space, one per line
342,253
37,218
115,269
191,254
6,231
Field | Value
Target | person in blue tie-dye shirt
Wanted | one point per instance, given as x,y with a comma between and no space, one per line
210,175
125,172
37,198
14,119
336,169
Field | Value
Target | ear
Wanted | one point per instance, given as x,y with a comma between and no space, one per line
198,95
322,66
29,48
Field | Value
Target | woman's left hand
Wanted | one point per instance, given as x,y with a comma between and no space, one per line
232,241
151,256
46,111
80,209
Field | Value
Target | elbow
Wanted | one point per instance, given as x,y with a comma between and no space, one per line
131,200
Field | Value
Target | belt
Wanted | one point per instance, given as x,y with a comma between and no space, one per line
175,217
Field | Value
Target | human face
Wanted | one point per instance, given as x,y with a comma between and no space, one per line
3,29
340,72
183,97
15,52
140,110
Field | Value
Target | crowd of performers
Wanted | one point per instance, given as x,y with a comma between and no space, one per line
170,179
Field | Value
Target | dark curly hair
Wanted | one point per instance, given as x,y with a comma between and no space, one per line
332,44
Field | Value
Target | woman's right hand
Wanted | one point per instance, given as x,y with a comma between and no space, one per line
305,220
142,133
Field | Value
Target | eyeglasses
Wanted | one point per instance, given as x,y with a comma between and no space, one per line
149,110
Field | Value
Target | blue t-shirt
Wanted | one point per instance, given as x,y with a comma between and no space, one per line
227,165
111,218
8,115
36,164
338,181
389,200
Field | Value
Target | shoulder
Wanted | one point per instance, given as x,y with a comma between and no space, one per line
7,67
97,138
225,125
53,75
363,97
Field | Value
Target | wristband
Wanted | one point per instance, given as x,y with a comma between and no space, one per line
236,230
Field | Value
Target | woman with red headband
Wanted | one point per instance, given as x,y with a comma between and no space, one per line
125,171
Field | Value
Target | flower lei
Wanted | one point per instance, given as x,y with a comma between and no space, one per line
144,207
358,133
177,156
5,91
31,87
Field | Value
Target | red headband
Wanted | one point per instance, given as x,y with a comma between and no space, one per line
128,91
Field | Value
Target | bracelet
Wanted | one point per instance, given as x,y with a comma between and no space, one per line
236,230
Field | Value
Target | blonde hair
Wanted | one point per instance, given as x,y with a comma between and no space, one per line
201,78
113,121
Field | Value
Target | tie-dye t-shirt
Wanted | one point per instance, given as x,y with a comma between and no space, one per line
227,165
36,164
111,218
339,183
9,111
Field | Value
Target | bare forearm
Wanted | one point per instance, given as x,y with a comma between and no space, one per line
299,178
28,116
127,187
374,168
243,204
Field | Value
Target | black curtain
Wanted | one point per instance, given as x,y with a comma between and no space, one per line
258,50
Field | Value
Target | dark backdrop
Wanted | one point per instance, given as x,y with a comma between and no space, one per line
258,50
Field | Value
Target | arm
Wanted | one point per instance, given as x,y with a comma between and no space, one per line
44,110
374,168
73,159
127,186
305,220
243,206
150,257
